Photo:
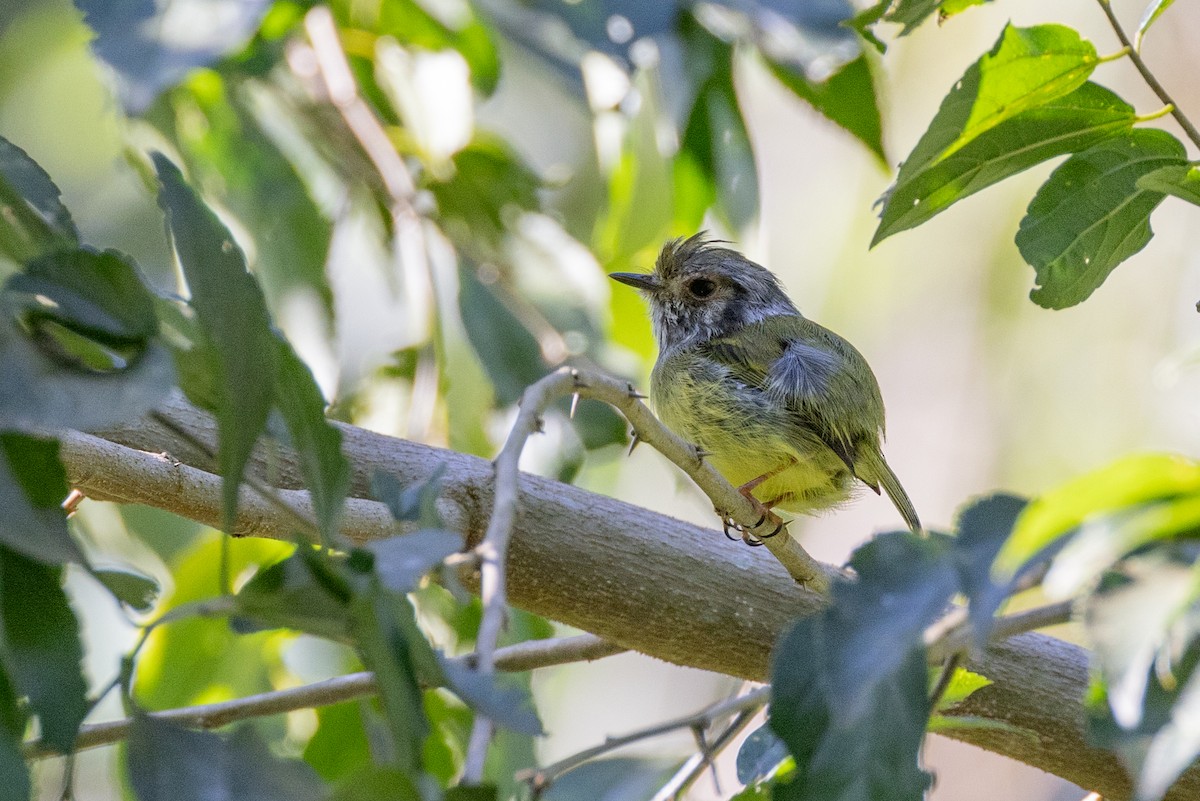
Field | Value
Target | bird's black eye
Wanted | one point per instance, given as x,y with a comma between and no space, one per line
701,287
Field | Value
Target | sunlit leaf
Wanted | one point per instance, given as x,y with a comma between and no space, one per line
166,762
1091,215
847,98
33,219
152,46
339,747
962,684
1153,11
1067,124
951,724
417,22
1180,180
233,316
33,486
1128,482
41,648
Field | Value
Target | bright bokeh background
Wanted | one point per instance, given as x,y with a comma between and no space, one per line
984,389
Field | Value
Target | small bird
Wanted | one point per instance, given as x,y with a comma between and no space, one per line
786,410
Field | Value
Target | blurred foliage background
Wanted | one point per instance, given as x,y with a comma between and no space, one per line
551,143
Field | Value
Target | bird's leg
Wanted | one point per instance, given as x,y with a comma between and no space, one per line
765,516
755,483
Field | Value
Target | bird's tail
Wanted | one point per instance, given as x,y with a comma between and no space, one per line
871,468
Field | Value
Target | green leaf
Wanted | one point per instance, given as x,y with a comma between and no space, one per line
1090,216
847,98
303,592
499,698
33,485
485,792
489,181
1153,11
981,531
850,683
861,24
614,779
166,762
1128,482
317,441
233,315
14,772
339,747
1067,124
33,219
762,751
41,648
508,351
715,142
1180,180
78,344
135,590
962,684
377,783
402,561
414,503
949,724
384,643
910,13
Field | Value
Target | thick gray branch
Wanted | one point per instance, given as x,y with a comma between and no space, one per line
657,585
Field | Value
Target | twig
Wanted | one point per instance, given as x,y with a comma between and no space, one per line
750,702
945,676
1148,76
694,767
494,546
953,634
521,657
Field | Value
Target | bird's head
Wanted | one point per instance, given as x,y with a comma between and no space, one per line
700,290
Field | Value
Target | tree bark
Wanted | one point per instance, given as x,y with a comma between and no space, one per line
643,580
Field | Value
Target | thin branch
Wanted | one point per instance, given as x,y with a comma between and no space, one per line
1148,76
953,634
694,767
516,658
751,701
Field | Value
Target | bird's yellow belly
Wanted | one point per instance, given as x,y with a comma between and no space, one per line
748,436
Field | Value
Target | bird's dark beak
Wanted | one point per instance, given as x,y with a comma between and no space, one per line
644,281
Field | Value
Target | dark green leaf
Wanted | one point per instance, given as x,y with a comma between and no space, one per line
715,142
446,746
850,683
14,773
760,754
166,762
33,219
316,440
303,592
33,485
401,562
1090,216
615,779
862,22
509,352
1180,180
41,648
910,13
981,531
377,783
488,184
414,503
1153,11
474,793
497,697
130,588
77,343
1128,482
149,53
1067,124
233,316
384,645
847,98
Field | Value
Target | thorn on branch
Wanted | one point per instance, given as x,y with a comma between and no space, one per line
577,380
539,424
574,404
634,439
633,393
